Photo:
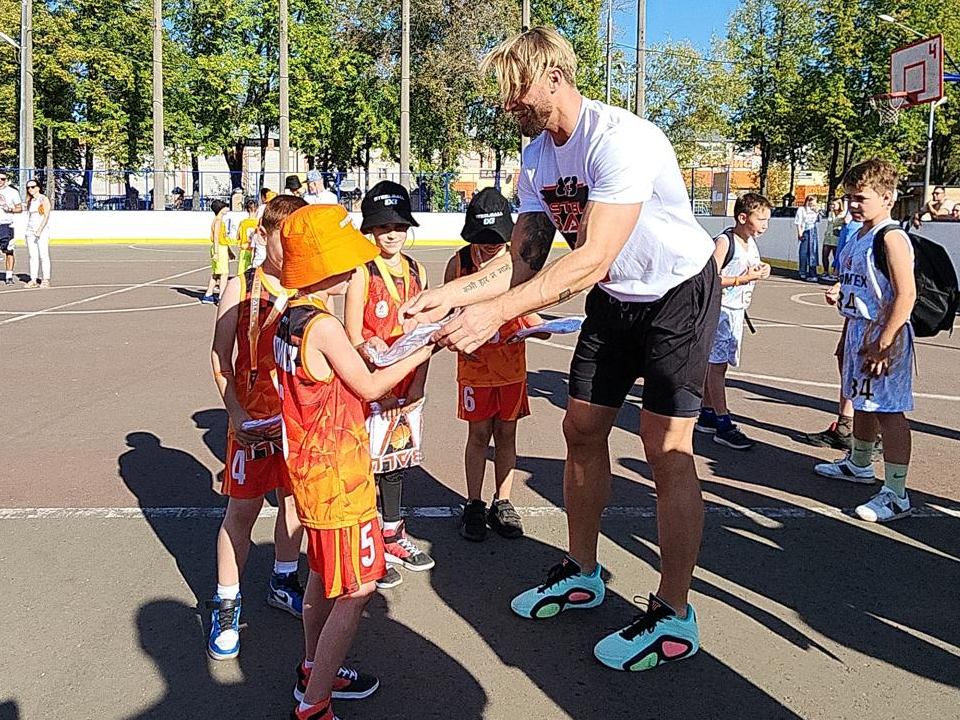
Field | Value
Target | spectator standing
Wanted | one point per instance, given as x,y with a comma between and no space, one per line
316,193
808,215
10,204
38,235
836,219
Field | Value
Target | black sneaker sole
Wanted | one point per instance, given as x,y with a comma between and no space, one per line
473,537
504,531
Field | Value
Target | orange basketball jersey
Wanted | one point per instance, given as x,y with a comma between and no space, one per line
325,438
385,290
496,363
254,368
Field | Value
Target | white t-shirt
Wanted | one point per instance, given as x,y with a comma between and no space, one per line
806,218
324,197
615,157
8,196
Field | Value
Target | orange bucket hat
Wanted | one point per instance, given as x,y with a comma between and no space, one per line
319,241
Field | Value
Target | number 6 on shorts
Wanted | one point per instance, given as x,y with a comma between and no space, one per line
469,405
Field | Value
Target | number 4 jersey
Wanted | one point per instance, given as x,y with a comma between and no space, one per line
866,297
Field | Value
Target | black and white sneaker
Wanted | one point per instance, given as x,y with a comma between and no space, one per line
843,469
503,519
391,579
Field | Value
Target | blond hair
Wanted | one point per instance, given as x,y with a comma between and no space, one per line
522,60
876,174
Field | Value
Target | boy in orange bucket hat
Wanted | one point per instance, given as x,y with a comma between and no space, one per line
324,383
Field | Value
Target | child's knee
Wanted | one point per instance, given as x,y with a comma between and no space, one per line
480,432
504,431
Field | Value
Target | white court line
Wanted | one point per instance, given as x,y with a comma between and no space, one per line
776,378
109,312
99,285
441,512
198,248
127,288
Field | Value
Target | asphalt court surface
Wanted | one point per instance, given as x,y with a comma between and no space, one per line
114,432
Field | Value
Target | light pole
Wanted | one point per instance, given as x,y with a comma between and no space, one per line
641,91
405,93
524,26
159,195
933,105
284,93
609,52
25,56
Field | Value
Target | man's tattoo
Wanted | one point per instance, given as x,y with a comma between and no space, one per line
538,237
485,279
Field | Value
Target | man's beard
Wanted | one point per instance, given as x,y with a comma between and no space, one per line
534,121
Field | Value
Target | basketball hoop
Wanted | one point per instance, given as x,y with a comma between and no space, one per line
888,106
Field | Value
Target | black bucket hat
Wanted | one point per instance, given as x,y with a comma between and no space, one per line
489,219
386,203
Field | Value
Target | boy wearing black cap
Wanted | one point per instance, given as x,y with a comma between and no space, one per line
371,307
492,383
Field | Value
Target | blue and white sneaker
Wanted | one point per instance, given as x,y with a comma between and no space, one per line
655,637
566,588
844,469
286,593
207,300
224,641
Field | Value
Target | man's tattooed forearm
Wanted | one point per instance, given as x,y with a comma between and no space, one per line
538,237
485,279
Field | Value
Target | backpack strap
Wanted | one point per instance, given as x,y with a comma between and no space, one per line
731,247
880,248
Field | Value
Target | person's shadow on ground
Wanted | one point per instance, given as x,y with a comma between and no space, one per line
427,683
844,578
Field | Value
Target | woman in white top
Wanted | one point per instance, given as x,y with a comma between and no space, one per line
38,235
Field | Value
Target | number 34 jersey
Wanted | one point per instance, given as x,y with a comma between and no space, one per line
866,297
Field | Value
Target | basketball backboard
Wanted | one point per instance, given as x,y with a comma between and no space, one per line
917,69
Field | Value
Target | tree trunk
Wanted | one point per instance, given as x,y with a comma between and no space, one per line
764,165
234,158
793,170
195,171
51,191
833,180
366,167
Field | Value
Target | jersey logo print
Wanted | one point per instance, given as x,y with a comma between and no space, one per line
567,201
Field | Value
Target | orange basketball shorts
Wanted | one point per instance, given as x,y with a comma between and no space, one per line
503,402
252,472
346,558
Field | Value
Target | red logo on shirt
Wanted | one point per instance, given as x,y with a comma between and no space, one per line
567,201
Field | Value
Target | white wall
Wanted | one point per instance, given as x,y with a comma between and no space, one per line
778,244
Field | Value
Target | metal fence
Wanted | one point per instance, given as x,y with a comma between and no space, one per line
186,190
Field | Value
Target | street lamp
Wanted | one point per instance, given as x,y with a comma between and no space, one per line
933,106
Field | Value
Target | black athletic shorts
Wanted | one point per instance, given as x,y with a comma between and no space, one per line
666,342
6,238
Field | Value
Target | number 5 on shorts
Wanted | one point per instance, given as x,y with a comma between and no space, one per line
368,550
469,404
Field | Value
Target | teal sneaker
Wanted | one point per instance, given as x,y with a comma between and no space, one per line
566,588
655,637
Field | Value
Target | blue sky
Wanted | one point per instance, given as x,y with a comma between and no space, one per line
695,20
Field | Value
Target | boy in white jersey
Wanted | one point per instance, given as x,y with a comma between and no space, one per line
876,299
738,258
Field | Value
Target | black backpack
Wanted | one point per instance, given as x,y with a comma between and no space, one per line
936,279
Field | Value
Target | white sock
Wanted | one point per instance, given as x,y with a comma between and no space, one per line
285,568
228,592
305,706
307,664
392,526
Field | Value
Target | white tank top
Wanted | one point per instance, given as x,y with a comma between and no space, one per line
865,291
737,297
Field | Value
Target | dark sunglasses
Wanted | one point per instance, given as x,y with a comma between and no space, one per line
33,187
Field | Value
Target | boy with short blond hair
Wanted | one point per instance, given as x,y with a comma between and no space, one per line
738,258
876,299
324,384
